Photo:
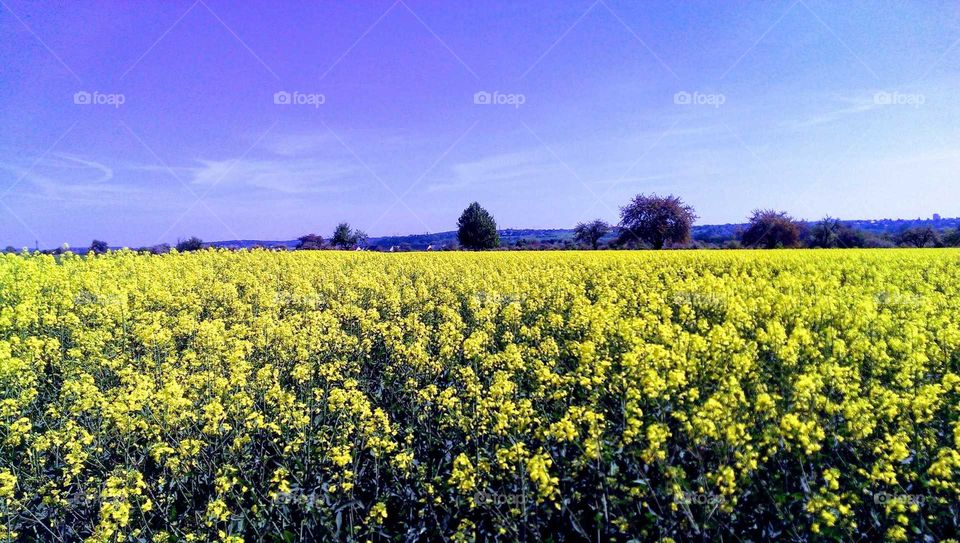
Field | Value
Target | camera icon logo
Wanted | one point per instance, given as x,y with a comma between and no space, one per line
682,98
482,98
82,98
883,98
282,98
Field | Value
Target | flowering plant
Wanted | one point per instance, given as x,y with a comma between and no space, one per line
262,396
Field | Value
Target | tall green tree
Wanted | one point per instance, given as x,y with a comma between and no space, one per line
345,237
476,229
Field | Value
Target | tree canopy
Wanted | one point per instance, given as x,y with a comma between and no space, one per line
99,246
769,229
476,229
591,233
656,220
310,242
345,237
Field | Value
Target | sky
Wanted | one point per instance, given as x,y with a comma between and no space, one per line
147,122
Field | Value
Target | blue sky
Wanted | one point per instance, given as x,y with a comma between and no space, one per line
841,108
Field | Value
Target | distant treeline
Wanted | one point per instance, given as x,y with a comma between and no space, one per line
646,222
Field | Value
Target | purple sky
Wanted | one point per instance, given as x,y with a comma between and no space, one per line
848,109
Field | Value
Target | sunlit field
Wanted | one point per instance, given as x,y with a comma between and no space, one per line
244,396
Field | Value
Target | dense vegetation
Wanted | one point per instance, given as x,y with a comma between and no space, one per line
232,396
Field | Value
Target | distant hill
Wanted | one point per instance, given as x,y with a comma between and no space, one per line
419,242
252,243
711,233
720,233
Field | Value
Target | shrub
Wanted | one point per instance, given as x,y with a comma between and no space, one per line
190,244
99,247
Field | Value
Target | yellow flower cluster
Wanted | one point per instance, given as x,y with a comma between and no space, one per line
264,396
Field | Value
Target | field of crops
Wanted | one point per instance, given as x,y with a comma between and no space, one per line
605,396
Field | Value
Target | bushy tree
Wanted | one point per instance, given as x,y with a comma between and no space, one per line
591,233
191,244
360,238
832,233
476,229
919,237
656,220
345,237
952,238
341,236
310,242
771,229
99,246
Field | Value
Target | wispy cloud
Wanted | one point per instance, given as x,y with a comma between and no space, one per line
949,156
666,176
287,176
513,167
292,163
290,145
844,107
105,173
62,176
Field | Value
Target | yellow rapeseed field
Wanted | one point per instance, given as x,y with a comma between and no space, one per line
262,396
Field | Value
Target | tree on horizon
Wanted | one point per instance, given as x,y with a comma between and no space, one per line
191,244
99,246
346,237
831,233
656,220
770,229
919,237
590,233
310,242
476,229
